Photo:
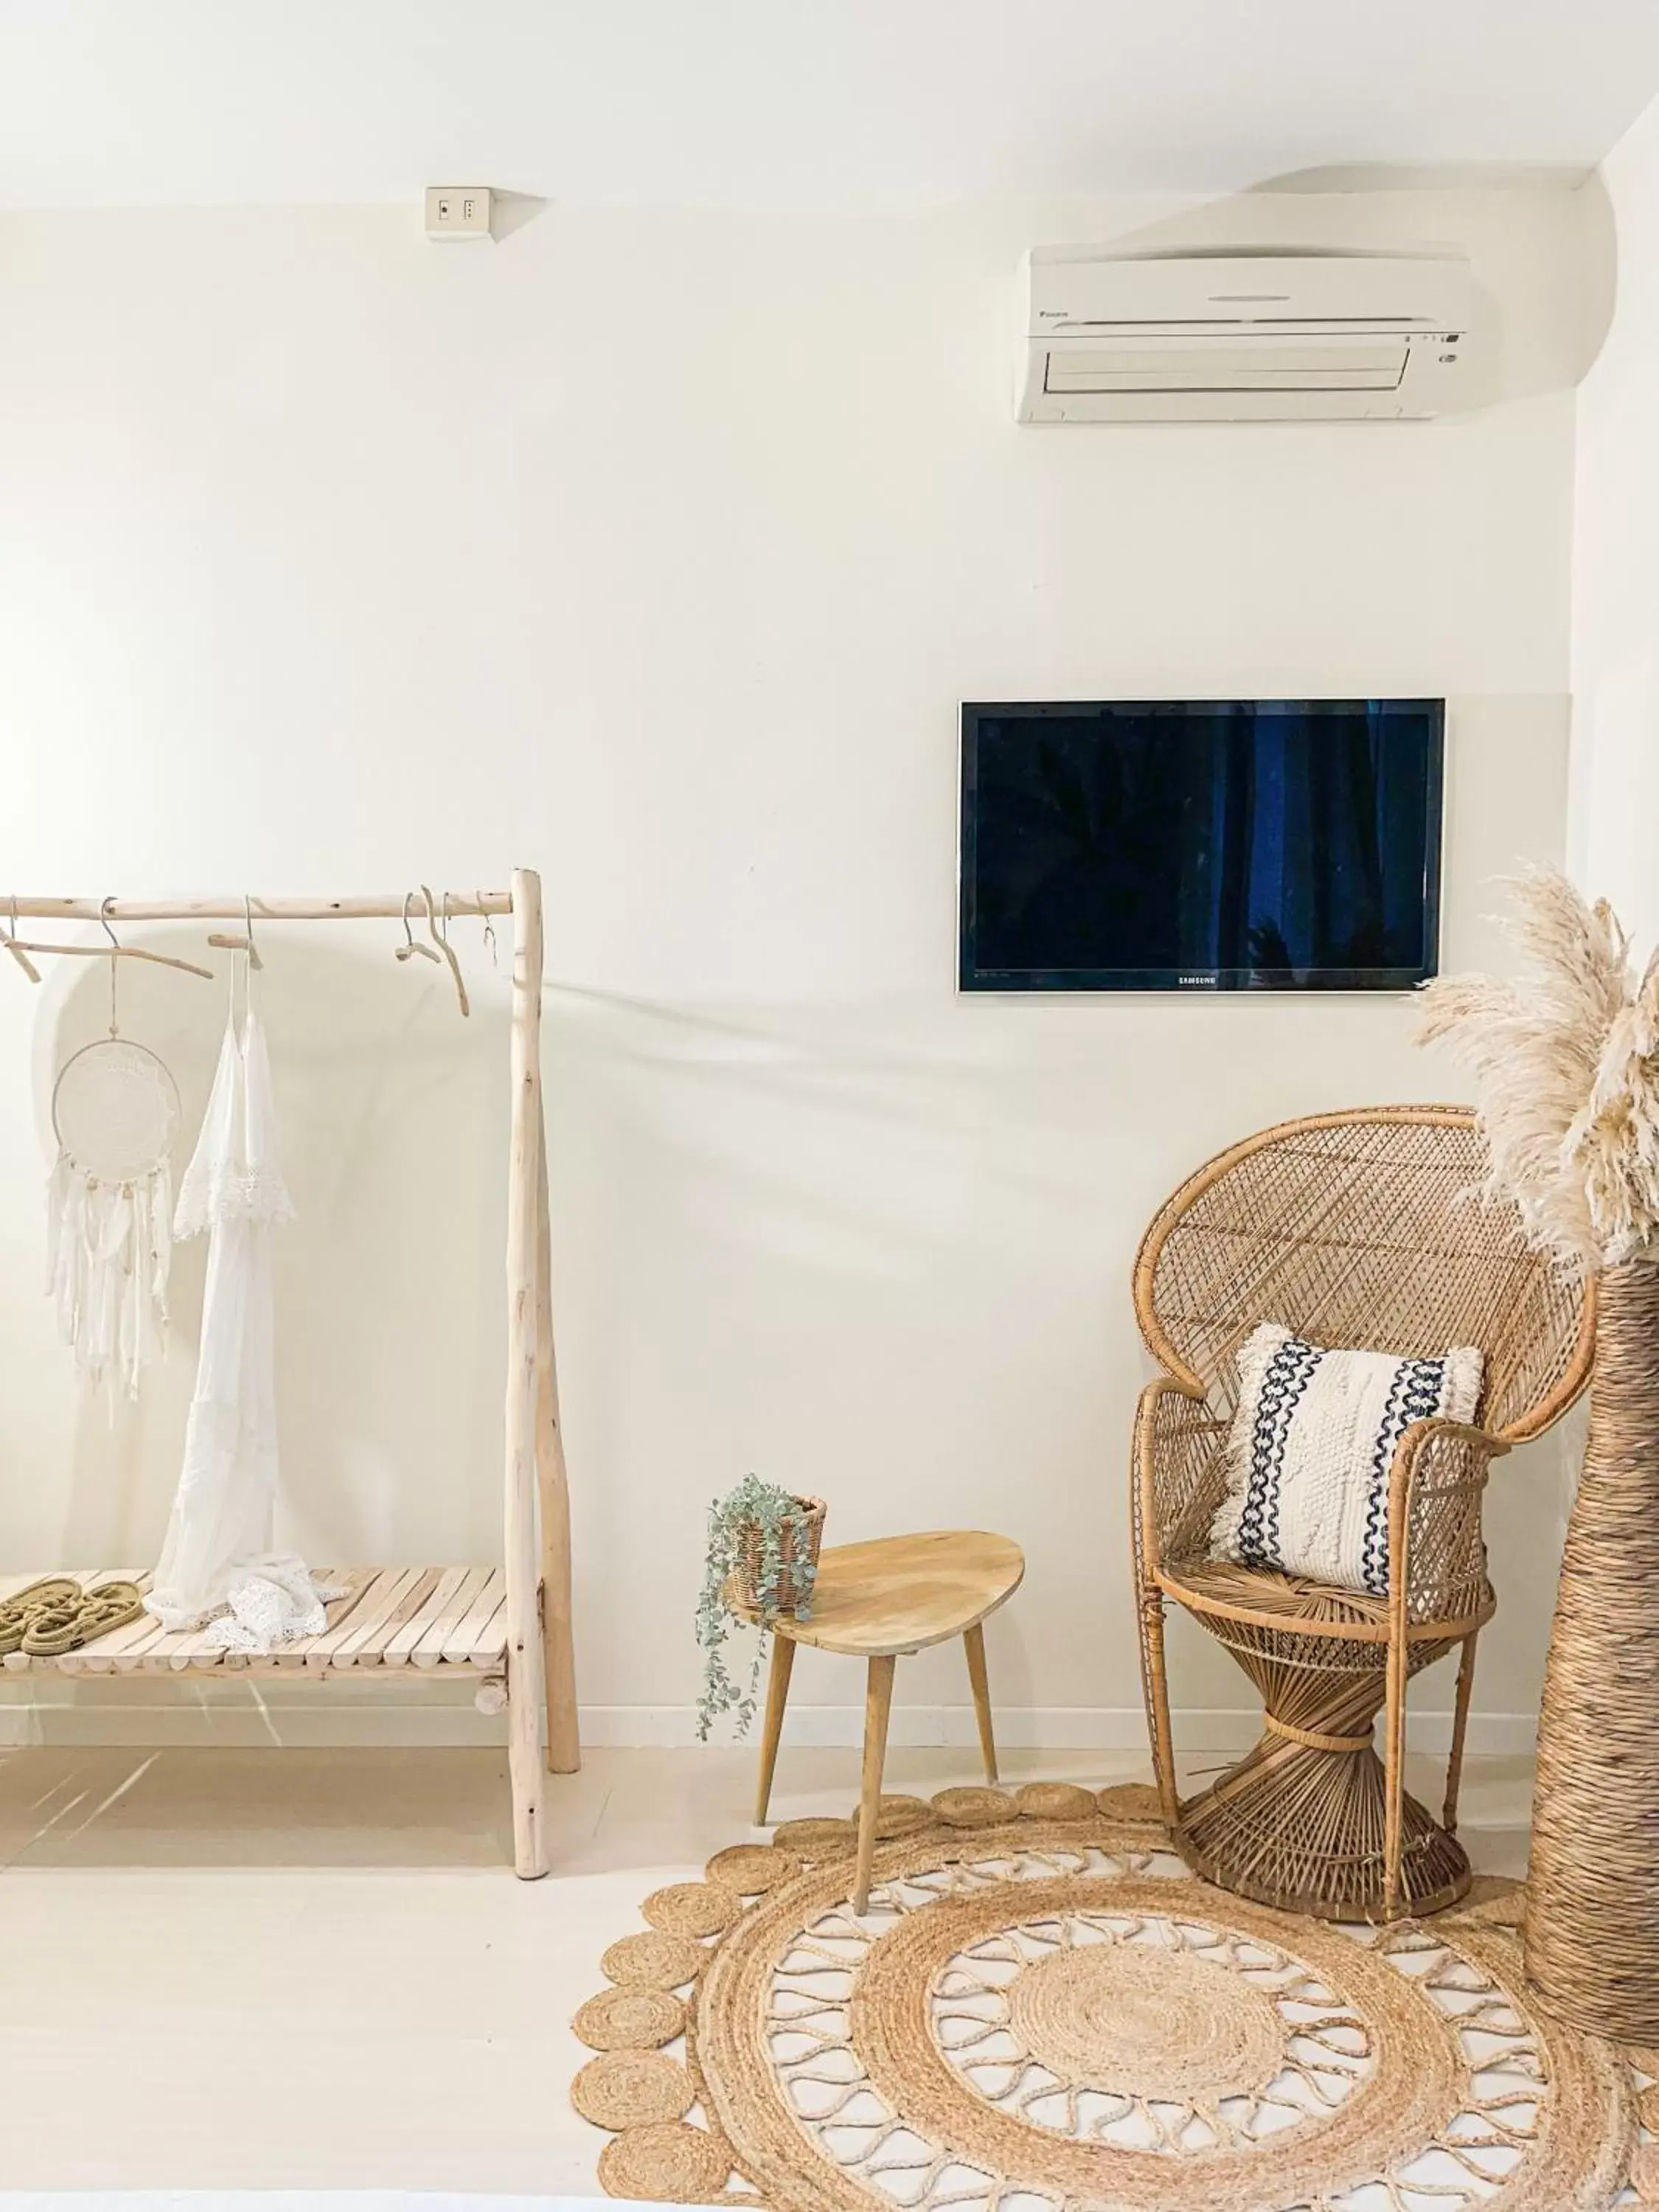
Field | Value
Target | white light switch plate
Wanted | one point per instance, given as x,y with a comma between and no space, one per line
457,210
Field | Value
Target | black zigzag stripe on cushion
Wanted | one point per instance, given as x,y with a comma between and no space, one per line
1417,1391
1289,1373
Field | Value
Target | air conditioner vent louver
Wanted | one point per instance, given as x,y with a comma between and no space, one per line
1345,364
1315,337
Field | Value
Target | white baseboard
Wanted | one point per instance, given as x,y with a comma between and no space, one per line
252,1712
1046,1728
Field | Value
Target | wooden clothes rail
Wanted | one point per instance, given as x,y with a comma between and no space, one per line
511,1625
386,907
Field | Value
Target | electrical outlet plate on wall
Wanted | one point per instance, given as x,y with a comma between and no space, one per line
458,211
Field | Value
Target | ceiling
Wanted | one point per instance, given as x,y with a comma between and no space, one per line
794,103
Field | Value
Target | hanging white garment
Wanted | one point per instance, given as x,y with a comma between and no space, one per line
216,1566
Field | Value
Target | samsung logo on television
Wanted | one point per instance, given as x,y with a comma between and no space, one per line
1196,982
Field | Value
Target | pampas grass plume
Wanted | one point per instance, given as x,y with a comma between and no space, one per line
1565,1066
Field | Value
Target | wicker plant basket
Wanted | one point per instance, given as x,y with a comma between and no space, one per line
749,1554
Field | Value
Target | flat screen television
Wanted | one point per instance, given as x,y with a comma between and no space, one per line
1201,845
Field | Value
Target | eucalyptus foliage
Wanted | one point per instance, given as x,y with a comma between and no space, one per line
785,1586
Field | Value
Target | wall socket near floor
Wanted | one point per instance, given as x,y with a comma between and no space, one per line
457,210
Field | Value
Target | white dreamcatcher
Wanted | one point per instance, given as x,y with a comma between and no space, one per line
115,1114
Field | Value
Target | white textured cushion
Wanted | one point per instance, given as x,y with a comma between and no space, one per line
1311,1445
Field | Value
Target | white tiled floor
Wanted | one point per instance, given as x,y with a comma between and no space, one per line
297,1969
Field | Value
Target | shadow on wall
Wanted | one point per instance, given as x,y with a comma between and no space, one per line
881,1252
392,1116
1544,283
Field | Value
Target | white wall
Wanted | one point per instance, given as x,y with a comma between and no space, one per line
656,552
1615,599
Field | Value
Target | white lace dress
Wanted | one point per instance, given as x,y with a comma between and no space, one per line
216,1566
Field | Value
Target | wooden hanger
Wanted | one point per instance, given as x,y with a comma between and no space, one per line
16,949
19,946
441,940
410,947
227,942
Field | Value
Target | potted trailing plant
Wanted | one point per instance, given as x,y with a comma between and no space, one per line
1566,1070
761,1561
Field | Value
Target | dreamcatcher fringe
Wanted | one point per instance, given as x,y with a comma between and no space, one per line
109,1254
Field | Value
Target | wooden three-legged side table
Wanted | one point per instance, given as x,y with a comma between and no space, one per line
877,1601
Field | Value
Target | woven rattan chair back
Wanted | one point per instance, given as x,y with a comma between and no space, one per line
1364,1228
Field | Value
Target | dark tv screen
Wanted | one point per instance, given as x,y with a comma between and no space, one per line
1201,844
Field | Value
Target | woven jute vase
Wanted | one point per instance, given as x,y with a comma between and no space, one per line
1592,1925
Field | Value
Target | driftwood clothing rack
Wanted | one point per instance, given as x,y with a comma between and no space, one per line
510,1626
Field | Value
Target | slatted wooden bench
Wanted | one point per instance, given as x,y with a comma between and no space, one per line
424,1617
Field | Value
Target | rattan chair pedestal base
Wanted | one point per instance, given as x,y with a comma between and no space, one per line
1332,1866
1302,1821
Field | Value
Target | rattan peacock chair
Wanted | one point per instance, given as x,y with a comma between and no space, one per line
1353,1229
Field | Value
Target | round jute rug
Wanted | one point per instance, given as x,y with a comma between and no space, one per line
1042,2009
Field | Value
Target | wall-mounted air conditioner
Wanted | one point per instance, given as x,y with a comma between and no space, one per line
1242,338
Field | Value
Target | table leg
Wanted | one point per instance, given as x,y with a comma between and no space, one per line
777,1696
877,1705
973,1642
